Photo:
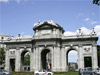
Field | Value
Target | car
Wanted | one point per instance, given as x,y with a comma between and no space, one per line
87,71
4,72
1,67
98,71
43,72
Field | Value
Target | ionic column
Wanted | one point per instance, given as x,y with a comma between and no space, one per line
36,58
52,59
39,58
7,62
32,60
80,58
94,57
58,58
63,59
18,61
56,66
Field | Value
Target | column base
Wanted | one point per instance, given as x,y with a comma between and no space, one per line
17,70
59,70
7,68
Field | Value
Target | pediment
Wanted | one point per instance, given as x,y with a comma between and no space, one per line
45,26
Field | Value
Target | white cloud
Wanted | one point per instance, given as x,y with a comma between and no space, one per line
73,52
3,0
72,56
90,21
68,33
10,0
97,29
93,22
87,19
85,31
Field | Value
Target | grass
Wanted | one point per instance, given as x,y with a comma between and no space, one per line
22,73
67,73
57,73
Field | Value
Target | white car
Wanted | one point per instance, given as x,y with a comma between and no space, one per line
4,72
98,71
43,72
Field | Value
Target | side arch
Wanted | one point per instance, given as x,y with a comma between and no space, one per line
22,55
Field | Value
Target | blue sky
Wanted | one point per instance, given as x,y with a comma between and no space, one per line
19,16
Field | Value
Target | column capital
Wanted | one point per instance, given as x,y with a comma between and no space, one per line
80,45
36,46
7,48
63,46
17,48
54,45
94,45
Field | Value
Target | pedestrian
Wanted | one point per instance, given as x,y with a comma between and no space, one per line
48,66
79,71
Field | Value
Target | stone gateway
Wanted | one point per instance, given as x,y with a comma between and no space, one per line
49,48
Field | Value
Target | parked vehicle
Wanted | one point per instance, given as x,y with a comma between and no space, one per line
1,67
43,72
4,72
87,71
98,71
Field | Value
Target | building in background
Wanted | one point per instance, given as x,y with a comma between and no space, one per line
73,66
4,38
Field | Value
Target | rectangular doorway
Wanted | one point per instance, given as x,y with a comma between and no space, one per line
12,64
87,62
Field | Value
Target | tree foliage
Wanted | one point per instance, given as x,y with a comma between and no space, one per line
88,62
96,2
2,56
98,56
27,60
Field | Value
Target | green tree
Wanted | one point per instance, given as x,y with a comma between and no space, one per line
87,61
99,58
27,60
2,56
96,2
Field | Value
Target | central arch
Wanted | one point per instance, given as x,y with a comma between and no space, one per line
46,59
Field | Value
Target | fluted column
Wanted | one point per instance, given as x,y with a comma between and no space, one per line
63,59
80,57
32,60
94,57
18,61
36,58
56,61
7,62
